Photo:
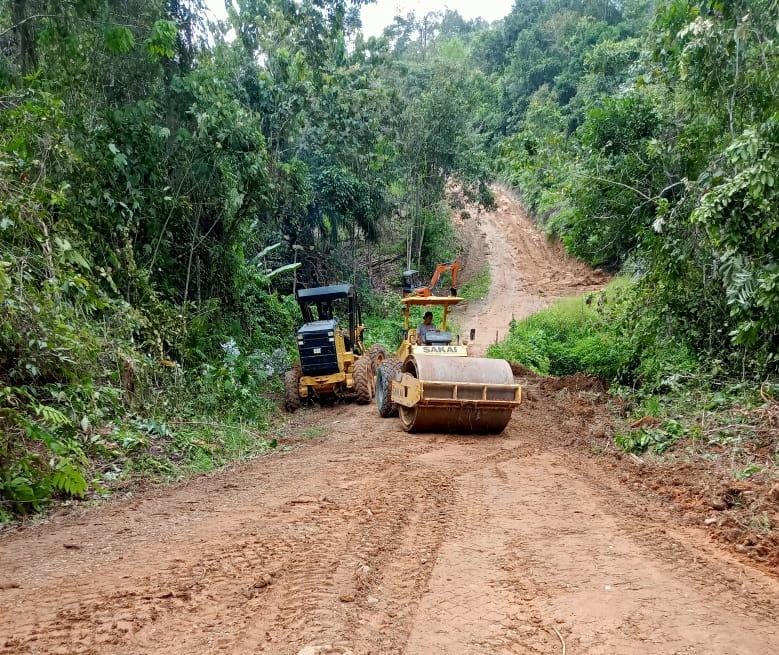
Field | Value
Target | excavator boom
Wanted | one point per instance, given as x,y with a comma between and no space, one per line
436,281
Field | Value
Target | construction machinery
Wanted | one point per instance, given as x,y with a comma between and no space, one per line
412,287
334,362
435,386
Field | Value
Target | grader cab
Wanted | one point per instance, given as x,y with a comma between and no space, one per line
435,386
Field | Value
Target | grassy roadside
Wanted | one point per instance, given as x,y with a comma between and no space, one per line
478,287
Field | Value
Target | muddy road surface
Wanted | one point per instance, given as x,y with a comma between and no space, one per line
359,538
369,540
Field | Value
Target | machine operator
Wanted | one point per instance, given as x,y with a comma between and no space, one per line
425,326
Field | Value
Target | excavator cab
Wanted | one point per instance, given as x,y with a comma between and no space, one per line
411,281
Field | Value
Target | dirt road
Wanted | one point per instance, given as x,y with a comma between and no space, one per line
527,271
361,539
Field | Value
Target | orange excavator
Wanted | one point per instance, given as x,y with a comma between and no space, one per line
411,286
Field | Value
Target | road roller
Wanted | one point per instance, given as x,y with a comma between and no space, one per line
434,386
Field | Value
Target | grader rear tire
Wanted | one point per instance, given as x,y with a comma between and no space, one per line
385,374
363,380
378,354
292,399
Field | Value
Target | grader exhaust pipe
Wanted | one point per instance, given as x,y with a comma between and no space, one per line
455,394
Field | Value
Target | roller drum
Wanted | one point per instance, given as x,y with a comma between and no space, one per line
435,413
457,420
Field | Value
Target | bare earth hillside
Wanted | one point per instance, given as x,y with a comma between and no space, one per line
527,271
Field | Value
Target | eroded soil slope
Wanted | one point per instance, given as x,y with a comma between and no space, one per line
527,271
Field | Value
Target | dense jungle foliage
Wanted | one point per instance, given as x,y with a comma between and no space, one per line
644,135
167,179
163,179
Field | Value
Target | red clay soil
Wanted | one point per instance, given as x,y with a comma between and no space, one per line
527,271
368,540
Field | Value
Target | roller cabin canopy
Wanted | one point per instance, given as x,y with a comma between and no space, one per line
431,300
446,301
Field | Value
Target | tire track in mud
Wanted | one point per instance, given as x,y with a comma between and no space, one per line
456,545
469,602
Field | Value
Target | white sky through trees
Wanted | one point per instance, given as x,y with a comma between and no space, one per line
377,16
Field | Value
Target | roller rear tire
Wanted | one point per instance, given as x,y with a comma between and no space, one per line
385,374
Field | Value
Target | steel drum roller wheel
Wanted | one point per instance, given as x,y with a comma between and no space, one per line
467,418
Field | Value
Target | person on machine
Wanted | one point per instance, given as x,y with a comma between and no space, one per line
425,326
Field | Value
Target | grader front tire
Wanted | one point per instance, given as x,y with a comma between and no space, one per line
384,376
378,354
292,399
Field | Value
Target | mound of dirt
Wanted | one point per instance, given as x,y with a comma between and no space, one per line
520,371
738,514
698,493
574,383
551,384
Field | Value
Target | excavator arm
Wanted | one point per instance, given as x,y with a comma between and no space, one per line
435,281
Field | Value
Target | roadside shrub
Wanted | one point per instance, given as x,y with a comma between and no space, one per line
610,334
568,337
658,439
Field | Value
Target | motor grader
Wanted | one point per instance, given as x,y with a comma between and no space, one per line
334,362
435,386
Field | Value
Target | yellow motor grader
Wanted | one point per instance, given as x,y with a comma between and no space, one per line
434,385
334,362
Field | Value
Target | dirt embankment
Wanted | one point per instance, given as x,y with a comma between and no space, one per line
359,538
527,271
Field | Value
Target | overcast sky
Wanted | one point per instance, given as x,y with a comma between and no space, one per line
377,16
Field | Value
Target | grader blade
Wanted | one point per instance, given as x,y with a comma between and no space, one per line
465,395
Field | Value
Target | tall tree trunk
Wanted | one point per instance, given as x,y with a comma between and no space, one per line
25,33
